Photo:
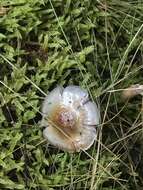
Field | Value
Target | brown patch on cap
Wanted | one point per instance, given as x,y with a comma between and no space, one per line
64,119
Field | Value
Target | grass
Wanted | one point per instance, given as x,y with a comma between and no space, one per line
93,44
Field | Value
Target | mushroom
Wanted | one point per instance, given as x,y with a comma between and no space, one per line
132,91
70,119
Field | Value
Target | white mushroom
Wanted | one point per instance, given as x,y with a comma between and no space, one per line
70,119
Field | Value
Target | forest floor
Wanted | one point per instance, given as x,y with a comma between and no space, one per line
94,44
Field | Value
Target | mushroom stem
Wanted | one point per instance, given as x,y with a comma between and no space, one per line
132,91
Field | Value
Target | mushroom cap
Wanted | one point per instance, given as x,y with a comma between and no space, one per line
70,119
